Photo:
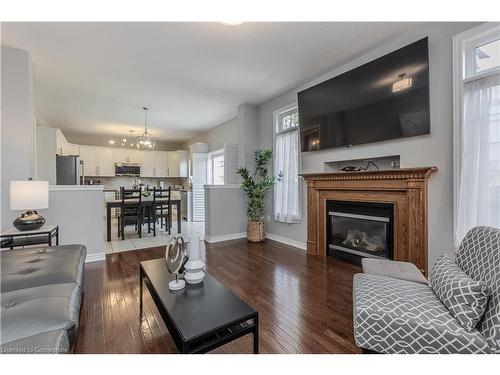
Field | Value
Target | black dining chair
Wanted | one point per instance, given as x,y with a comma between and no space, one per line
160,208
130,211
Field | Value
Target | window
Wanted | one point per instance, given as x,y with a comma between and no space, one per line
487,56
216,168
286,163
477,128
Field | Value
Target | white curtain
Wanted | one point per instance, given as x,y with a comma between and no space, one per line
479,181
287,191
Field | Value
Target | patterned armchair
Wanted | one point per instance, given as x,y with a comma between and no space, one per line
399,316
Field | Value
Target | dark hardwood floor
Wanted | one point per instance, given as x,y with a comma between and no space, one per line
304,303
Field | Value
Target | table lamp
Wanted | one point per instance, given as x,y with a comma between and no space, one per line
29,195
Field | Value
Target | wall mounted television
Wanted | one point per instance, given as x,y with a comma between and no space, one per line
387,98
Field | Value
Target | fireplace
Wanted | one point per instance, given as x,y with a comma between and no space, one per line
359,229
404,189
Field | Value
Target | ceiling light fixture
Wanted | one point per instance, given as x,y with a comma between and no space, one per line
403,83
146,141
112,142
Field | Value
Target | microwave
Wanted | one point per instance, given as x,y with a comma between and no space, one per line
127,169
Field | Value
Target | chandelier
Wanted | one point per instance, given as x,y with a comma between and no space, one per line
145,141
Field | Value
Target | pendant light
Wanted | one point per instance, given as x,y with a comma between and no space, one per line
145,142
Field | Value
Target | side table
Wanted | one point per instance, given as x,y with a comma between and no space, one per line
13,237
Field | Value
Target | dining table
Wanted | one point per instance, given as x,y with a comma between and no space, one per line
146,203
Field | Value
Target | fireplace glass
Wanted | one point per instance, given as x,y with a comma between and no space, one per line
360,229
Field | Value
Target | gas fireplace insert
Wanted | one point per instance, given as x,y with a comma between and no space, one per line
359,229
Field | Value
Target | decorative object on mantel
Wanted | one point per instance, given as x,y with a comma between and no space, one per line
256,185
194,266
405,189
176,258
146,141
29,195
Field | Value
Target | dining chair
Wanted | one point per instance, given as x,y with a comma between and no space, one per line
160,208
130,211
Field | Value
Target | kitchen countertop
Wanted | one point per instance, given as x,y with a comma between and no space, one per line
76,187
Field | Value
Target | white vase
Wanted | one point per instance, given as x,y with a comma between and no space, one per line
194,267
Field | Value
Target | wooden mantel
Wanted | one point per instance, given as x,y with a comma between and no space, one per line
405,188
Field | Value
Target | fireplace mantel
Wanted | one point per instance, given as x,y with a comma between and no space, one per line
405,188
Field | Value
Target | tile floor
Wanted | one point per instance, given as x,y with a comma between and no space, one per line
133,242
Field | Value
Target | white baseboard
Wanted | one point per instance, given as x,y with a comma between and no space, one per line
287,241
95,257
225,237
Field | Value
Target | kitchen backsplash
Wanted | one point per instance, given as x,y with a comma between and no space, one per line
115,183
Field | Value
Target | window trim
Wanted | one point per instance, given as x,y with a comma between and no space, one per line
462,45
276,113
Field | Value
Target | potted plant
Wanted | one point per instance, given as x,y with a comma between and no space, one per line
256,185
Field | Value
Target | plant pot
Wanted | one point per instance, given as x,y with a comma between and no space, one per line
256,231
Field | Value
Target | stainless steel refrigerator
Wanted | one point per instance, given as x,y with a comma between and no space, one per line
69,170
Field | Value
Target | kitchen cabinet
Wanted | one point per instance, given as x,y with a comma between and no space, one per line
161,164
63,147
154,164
135,156
89,157
105,161
177,164
100,161
124,155
147,164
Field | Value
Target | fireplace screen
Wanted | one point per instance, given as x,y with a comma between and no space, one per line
362,230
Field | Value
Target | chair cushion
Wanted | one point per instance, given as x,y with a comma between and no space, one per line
398,316
466,299
28,268
399,270
479,257
31,311
53,342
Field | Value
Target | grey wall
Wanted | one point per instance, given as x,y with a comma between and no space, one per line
215,137
18,154
79,213
225,212
434,149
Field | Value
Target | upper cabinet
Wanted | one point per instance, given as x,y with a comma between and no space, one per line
89,157
63,147
125,155
154,164
177,163
105,161
100,161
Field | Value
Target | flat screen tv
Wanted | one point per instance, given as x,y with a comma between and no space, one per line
386,98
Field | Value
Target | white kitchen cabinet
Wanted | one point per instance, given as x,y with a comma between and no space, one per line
177,163
183,163
63,147
161,164
172,164
105,161
153,164
89,157
135,156
125,155
147,164
121,155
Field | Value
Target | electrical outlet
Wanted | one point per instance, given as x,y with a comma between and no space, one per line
268,218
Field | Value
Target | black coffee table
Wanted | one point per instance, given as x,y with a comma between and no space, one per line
200,317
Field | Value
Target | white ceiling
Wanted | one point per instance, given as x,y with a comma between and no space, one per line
93,78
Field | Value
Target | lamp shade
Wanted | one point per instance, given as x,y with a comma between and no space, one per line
26,195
